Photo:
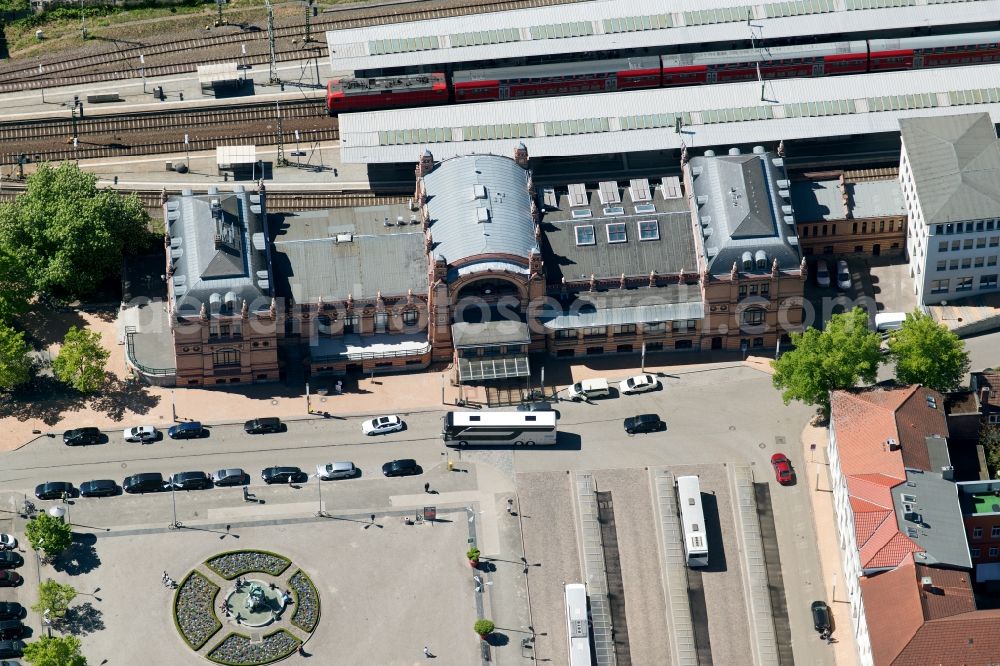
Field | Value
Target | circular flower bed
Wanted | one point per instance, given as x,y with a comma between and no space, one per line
238,562
237,650
306,601
193,609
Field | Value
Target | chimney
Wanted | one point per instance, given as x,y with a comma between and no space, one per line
927,583
218,241
521,155
948,473
984,396
426,164
893,444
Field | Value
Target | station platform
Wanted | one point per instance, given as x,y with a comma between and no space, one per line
302,79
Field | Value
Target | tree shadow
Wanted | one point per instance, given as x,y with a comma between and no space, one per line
82,620
119,396
80,558
497,639
44,398
46,323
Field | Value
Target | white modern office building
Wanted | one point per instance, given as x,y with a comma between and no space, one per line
949,171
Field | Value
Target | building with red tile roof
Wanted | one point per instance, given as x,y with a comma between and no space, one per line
899,520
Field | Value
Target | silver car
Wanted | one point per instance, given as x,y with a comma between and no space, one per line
336,470
230,477
141,434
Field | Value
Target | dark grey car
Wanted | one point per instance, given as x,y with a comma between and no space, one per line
283,475
150,482
190,481
99,488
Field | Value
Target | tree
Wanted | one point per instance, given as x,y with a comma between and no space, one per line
49,534
838,357
67,233
989,438
16,288
81,360
15,364
55,651
927,353
54,599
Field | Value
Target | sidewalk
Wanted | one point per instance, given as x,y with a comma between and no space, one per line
821,497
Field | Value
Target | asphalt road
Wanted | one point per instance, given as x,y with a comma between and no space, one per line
715,414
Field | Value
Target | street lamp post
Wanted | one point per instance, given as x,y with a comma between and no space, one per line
320,513
142,71
173,500
41,70
298,154
187,151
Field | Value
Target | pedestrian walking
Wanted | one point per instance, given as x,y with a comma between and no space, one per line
427,652
510,507
373,519
427,487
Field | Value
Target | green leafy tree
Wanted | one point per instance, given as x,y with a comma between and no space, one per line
989,438
15,364
81,360
838,357
49,534
55,651
69,234
54,599
16,288
927,353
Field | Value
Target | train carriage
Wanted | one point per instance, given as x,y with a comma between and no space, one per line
386,92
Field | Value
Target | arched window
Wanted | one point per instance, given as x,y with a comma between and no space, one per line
761,258
747,261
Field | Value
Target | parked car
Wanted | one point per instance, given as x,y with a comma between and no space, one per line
822,274
644,423
190,481
10,560
821,617
11,610
843,275
782,469
188,430
9,579
404,467
11,629
148,482
382,424
283,475
82,436
639,384
7,542
231,477
589,388
336,470
99,488
262,425
11,648
54,490
141,434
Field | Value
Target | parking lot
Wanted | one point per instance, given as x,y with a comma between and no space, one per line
878,284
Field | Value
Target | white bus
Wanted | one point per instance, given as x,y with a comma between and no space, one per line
517,428
578,624
693,519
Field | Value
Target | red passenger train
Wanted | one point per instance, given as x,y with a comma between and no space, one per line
478,85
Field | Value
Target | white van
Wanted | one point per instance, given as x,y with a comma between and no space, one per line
588,389
889,321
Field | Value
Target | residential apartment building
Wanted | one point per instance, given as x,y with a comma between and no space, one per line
902,535
856,212
949,171
980,501
985,384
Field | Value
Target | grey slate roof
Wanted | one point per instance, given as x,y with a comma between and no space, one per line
234,269
820,200
631,306
453,208
740,210
940,529
956,166
672,252
310,262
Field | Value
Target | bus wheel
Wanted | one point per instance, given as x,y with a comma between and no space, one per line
530,443
518,443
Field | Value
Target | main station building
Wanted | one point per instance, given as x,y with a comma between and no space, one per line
483,269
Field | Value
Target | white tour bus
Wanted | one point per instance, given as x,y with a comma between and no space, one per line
693,521
517,428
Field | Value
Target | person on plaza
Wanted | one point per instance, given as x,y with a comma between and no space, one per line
427,652
427,487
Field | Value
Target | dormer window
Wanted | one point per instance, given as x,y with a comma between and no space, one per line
747,261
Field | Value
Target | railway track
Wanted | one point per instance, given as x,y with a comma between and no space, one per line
163,132
173,57
277,202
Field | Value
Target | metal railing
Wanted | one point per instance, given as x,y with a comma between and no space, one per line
130,331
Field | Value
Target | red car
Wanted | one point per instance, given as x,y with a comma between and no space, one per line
782,469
